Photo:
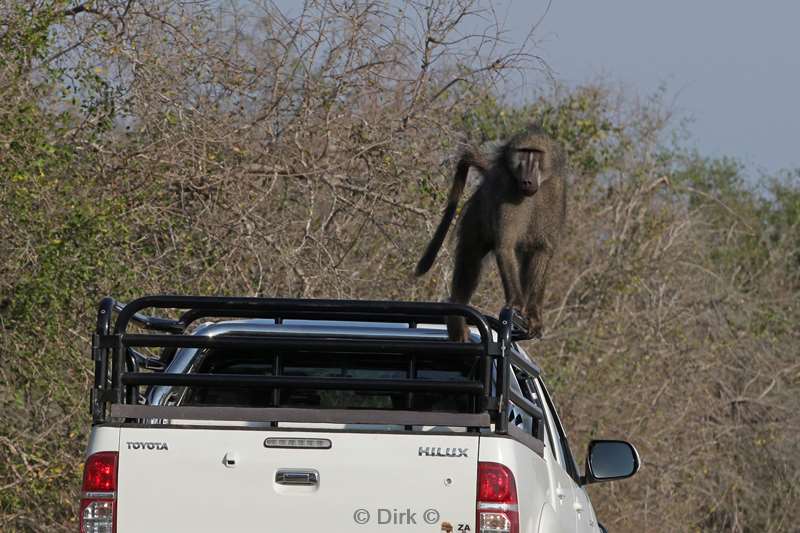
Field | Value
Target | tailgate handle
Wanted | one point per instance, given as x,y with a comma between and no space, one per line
297,477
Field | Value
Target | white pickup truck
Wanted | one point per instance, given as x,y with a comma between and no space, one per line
273,415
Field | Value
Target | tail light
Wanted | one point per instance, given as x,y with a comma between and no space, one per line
497,509
98,501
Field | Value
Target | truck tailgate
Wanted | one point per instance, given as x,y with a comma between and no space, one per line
213,480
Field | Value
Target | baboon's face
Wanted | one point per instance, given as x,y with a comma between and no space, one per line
528,166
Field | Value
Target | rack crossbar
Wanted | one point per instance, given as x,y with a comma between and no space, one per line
530,368
376,345
249,380
363,310
529,408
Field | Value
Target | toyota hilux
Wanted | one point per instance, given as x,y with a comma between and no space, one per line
276,415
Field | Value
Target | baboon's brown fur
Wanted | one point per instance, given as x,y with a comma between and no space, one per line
517,212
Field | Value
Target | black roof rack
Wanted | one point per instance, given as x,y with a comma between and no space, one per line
118,363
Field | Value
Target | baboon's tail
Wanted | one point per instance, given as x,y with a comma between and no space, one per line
467,160
432,250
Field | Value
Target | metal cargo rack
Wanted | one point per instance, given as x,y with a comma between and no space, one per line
118,364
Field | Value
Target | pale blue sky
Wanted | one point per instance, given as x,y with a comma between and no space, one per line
734,66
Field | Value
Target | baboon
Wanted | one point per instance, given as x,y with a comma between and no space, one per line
517,212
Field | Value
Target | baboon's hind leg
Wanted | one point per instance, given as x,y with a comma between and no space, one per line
470,251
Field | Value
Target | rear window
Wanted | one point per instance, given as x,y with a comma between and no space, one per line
331,365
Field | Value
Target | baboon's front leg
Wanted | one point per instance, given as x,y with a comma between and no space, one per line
509,266
536,279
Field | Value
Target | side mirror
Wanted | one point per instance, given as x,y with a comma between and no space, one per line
608,460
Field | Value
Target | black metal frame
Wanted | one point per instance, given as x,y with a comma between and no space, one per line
117,362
